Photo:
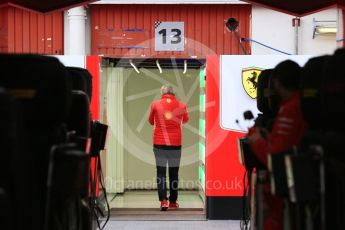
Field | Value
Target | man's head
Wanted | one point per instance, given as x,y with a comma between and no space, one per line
167,89
286,78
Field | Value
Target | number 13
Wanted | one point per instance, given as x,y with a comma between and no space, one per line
176,36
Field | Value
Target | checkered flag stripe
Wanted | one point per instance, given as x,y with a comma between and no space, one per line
157,23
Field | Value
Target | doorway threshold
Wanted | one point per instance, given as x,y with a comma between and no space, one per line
144,205
154,214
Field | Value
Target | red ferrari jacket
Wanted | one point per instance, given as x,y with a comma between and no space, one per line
167,115
287,131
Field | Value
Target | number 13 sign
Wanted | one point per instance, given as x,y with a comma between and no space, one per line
169,36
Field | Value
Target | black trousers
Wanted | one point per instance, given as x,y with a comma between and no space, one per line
172,158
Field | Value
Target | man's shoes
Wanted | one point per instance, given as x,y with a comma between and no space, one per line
173,205
164,205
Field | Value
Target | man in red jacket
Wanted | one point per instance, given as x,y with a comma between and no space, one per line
287,131
167,115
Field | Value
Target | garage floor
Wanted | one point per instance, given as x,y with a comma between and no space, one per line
144,205
149,199
174,225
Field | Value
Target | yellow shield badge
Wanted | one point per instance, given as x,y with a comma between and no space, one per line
250,78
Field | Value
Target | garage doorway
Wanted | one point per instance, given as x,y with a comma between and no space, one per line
128,87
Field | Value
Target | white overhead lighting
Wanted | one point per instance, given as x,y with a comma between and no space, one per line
134,67
324,28
159,66
185,67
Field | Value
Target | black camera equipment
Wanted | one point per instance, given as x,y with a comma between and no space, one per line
317,173
41,89
333,99
99,133
8,143
68,189
247,157
81,80
276,167
41,118
89,135
232,25
304,168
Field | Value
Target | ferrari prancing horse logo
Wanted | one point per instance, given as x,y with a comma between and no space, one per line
168,115
250,78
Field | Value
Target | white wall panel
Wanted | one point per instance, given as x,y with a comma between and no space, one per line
115,150
275,29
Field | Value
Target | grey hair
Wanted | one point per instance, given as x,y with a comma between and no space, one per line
167,89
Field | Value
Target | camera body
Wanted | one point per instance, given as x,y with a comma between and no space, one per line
263,121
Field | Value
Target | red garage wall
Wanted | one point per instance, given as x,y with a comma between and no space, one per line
205,32
24,31
224,173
